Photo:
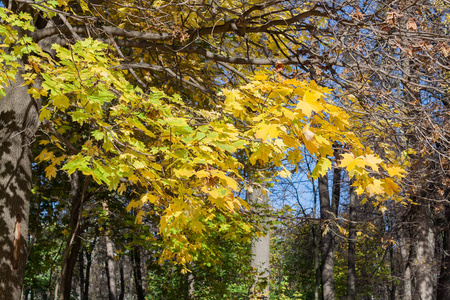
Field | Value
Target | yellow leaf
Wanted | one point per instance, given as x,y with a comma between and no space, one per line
122,188
50,171
309,135
311,96
396,171
45,114
267,131
374,188
305,107
284,174
349,161
372,161
149,198
229,181
390,187
61,101
184,173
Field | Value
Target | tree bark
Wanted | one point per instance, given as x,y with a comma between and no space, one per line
110,268
81,266
78,191
424,250
443,287
88,272
260,247
326,242
18,124
138,274
316,239
110,265
351,279
405,252
122,281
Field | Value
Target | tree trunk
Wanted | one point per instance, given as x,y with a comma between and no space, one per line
326,242
110,267
393,288
88,272
405,252
316,239
74,241
122,281
138,274
351,279
18,124
191,283
260,247
424,259
82,279
443,287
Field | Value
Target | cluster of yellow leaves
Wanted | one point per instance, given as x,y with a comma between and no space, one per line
179,162
285,117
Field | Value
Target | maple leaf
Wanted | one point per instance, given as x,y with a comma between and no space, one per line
396,171
411,24
372,161
265,131
308,134
279,67
390,187
375,188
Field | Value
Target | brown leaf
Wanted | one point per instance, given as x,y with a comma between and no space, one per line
411,24
279,67
357,15
392,17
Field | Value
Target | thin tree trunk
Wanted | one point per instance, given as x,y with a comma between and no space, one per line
316,245
88,272
81,265
191,283
122,281
18,124
260,247
326,243
405,252
443,287
110,267
138,274
351,279
424,249
316,233
74,241
393,289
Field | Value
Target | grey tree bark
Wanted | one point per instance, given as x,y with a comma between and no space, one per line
18,124
326,242
424,252
110,265
443,286
260,246
122,280
405,252
351,279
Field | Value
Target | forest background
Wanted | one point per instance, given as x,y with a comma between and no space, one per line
169,149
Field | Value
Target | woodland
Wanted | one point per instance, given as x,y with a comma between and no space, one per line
224,149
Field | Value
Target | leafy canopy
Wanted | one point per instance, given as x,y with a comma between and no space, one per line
180,162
